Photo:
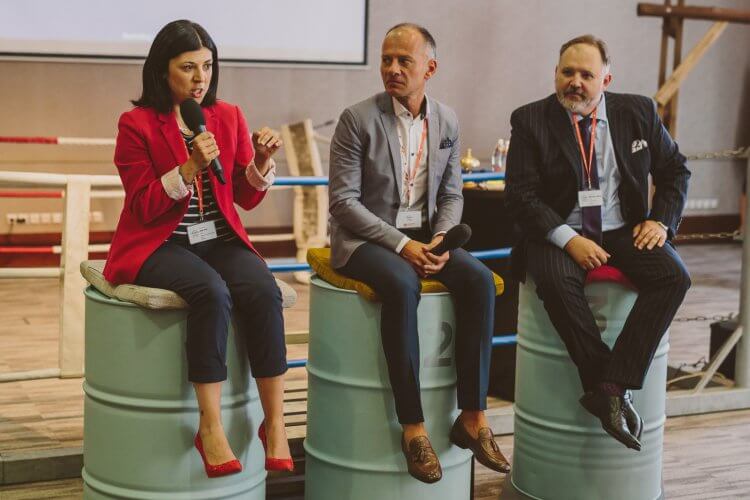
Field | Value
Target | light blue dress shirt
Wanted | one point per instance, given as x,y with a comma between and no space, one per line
609,182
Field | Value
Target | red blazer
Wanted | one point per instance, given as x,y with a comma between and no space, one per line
149,144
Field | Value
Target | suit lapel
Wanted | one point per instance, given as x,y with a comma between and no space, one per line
388,118
173,137
618,130
562,128
433,143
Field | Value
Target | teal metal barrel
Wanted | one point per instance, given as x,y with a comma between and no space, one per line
140,412
353,447
560,451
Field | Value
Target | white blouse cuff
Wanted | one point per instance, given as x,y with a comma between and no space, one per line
174,185
260,182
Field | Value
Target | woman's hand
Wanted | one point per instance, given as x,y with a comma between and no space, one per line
205,150
266,142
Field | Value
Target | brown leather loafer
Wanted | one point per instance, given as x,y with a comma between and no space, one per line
484,447
421,459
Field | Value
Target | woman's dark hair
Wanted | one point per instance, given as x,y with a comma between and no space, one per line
171,41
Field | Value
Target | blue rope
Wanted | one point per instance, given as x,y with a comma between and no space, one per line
500,253
323,181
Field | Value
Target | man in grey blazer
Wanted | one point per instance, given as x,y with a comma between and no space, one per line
580,194
395,189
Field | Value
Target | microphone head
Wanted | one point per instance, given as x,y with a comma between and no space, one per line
192,114
457,236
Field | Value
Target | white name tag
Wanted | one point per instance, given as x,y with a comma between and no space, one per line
202,231
409,219
590,198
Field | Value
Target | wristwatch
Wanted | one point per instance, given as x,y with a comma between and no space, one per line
664,226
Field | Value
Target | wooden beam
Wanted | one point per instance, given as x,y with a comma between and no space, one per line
702,13
671,114
672,85
75,249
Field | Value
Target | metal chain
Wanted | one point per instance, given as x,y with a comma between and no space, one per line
734,235
715,317
727,154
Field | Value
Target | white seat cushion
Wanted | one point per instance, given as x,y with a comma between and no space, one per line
153,298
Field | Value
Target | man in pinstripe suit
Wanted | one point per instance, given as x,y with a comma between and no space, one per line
580,196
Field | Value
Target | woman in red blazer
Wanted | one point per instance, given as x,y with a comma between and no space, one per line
179,230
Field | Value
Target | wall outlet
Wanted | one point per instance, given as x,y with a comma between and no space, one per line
702,204
17,218
47,217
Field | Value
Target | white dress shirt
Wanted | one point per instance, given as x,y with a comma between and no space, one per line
410,130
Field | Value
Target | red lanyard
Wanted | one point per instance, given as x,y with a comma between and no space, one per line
587,161
199,188
412,175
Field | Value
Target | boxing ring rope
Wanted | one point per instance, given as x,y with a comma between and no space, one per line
78,190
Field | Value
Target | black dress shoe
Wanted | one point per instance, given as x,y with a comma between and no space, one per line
611,412
421,459
484,447
635,422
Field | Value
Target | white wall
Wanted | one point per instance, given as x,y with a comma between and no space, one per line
494,55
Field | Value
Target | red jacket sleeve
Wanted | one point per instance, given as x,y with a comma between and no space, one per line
145,196
245,195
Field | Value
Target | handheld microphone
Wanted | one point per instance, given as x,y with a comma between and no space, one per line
192,115
456,237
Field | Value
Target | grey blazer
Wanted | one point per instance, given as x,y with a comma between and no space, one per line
365,176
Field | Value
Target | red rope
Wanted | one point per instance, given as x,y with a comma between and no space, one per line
44,250
30,194
28,140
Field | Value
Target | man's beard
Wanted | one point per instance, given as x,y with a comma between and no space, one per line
574,106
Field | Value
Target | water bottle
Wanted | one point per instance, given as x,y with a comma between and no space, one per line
498,156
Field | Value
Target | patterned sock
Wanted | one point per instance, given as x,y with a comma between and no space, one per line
611,389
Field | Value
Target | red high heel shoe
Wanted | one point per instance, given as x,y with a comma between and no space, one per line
230,467
279,464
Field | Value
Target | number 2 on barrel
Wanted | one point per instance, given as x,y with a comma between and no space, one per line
443,355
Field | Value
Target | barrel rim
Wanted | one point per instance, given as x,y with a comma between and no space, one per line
447,461
356,382
102,396
240,486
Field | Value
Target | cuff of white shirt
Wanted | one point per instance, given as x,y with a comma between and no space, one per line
260,182
402,244
174,185
561,235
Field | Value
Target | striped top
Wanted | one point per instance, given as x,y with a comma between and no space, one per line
211,210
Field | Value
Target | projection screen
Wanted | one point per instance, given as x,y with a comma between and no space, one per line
246,31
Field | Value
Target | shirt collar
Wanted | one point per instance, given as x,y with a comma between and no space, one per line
601,111
400,110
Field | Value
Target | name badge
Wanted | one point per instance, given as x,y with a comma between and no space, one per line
409,219
590,198
202,231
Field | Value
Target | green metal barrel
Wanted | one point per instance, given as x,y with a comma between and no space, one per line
353,448
560,451
140,412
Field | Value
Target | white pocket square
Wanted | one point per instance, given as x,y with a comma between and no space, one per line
638,144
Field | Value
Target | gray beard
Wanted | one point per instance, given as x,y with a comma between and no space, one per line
573,107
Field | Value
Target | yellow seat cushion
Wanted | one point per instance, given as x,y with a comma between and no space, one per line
320,261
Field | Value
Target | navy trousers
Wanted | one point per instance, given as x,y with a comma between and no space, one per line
216,278
397,284
662,282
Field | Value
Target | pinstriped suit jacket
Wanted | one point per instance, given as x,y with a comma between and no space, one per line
544,167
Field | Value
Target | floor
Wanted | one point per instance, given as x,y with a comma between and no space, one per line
705,457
